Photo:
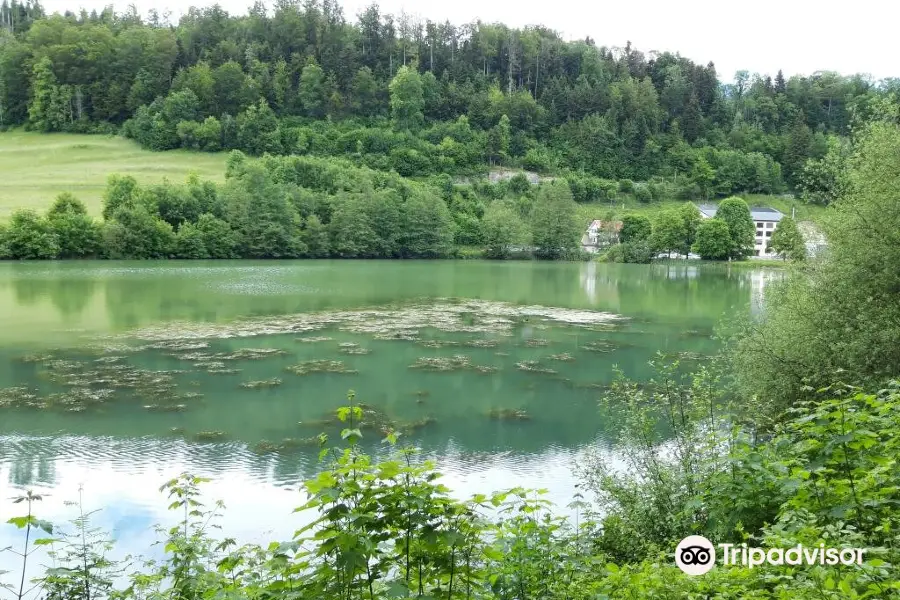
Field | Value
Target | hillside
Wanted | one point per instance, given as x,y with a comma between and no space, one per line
426,98
37,167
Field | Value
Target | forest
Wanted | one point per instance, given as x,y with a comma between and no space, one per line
396,93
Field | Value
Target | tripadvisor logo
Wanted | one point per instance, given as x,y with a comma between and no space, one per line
696,555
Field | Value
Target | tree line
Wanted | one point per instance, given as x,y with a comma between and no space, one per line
396,92
730,235
301,207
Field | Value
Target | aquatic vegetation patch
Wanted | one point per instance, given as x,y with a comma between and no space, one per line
533,366
264,383
178,345
389,323
40,357
598,346
18,397
109,360
537,342
562,357
509,414
433,343
209,436
251,354
449,363
437,343
165,407
308,367
352,348
209,364
314,339
77,399
267,447
481,343
413,426
592,385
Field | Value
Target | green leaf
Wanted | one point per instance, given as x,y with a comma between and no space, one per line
20,522
351,433
44,541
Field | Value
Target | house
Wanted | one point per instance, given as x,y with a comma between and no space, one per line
766,220
600,235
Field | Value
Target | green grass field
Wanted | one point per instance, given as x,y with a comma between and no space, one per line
35,167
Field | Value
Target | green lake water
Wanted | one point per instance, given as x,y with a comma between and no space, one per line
117,376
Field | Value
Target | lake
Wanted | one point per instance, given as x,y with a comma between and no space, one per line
117,376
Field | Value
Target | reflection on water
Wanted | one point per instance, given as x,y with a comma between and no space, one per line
122,477
550,369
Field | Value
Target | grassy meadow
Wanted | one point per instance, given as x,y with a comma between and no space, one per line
35,167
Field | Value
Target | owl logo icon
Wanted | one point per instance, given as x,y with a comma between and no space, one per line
695,555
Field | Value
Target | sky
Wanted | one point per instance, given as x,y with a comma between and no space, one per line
762,36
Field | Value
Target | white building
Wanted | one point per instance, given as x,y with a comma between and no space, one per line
765,220
600,235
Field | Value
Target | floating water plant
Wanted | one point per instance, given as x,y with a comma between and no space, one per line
598,346
209,436
108,360
563,357
451,363
220,371
178,345
352,348
441,363
18,396
391,323
210,364
481,343
33,358
288,443
267,447
413,426
251,354
320,366
533,366
509,414
437,343
265,383
165,407
537,342
313,339
375,419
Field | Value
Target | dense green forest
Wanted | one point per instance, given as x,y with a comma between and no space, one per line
392,92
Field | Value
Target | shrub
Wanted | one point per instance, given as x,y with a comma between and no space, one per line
30,236
642,192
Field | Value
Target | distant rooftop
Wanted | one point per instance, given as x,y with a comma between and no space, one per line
758,213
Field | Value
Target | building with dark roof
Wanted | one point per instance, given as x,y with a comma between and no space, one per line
764,218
